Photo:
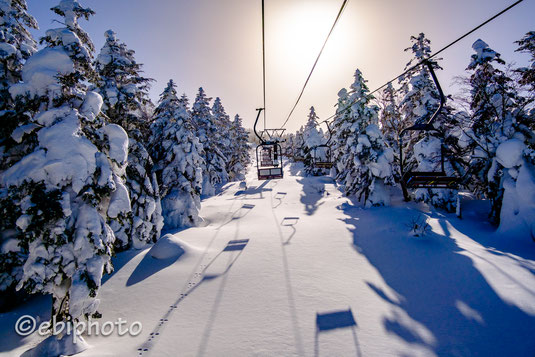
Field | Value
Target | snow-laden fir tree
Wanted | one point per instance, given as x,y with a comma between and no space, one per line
16,46
312,138
288,145
390,122
420,99
223,124
527,45
214,171
494,110
299,144
340,127
526,122
62,193
240,155
125,94
178,160
365,163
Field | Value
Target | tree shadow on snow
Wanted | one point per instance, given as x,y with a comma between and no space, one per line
454,310
313,191
149,266
120,260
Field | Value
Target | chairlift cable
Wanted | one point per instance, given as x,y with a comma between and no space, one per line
263,64
433,55
316,62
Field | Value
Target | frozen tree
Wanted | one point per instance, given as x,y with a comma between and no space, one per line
62,193
125,94
527,45
312,138
214,173
515,159
493,105
390,117
288,145
526,121
420,99
16,46
340,127
365,163
178,160
223,124
240,155
299,144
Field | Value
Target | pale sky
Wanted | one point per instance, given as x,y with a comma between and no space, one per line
216,44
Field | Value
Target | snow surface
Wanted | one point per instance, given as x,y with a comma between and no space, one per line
292,268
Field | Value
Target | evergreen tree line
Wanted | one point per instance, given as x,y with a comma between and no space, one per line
89,165
487,134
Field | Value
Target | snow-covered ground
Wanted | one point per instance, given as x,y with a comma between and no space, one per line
292,268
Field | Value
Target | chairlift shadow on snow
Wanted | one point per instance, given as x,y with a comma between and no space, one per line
213,270
329,321
279,196
289,222
441,289
254,190
234,249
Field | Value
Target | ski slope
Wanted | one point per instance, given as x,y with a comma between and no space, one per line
292,268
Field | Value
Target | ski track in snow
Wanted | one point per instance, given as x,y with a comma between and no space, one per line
292,268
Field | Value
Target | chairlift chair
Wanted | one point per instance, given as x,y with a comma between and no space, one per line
426,179
268,152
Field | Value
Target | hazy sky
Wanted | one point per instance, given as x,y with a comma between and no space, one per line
216,44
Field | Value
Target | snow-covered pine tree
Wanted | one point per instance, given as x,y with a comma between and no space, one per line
312,137
299,144
125,94
214,173
420,99
526,122
493,105
288,145
390,122
178,160
340,128
240,155
16,46
527,45
224,125
365,164
62,192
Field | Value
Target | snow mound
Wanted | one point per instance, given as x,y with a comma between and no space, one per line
169,246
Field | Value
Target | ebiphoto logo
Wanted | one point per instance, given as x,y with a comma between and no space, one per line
26,325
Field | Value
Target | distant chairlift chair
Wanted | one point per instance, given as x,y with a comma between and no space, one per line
321,154
269,153
426,179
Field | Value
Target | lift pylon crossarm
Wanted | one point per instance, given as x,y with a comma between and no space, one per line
273,135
